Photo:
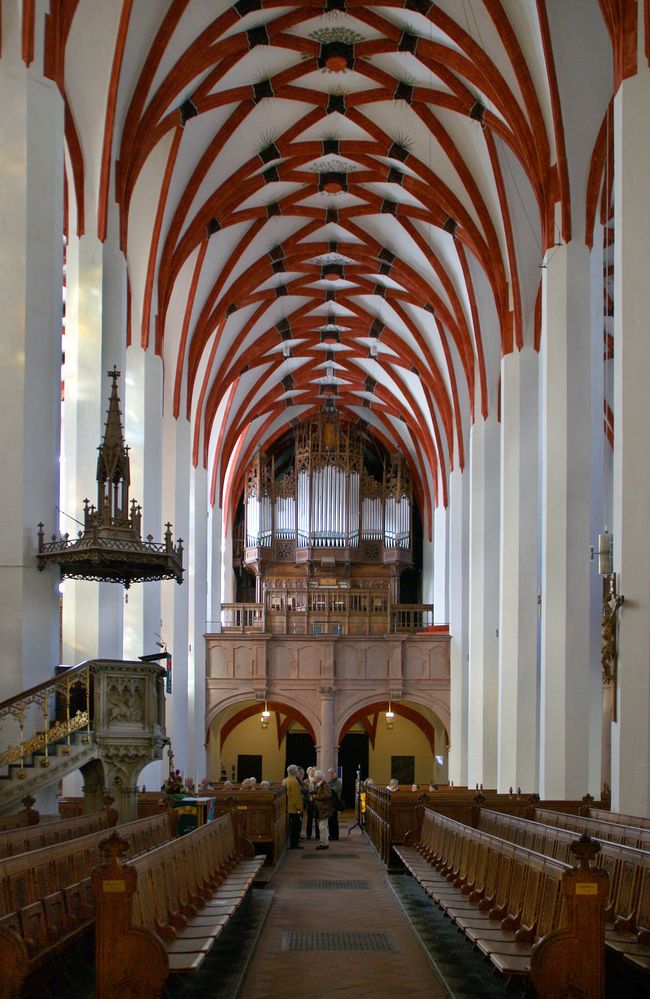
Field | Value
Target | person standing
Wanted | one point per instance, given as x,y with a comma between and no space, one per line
337,787
294,806
323,803
312,816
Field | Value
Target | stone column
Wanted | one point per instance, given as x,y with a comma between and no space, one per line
458,623
94,342
142,410
326,749
31,281
518,721
215,519
631,732
441,565
196,571
483,602
174,598
566,453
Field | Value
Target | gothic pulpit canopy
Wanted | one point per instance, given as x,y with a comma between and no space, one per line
110,547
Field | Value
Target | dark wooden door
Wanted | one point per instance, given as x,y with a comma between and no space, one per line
300,749
249,765
353,755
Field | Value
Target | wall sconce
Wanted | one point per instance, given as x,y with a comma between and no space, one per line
390,716
266,716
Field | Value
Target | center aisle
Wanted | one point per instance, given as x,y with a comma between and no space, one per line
336,928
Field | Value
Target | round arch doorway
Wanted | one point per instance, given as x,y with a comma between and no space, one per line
353,755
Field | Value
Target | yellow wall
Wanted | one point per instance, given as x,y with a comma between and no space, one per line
248,738
406,739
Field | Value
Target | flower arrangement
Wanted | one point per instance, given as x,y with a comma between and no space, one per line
174,783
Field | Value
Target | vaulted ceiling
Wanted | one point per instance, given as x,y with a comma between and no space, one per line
335,200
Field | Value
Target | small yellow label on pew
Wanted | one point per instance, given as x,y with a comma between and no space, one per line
586,888
242,808
114,886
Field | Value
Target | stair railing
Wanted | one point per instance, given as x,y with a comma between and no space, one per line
62,703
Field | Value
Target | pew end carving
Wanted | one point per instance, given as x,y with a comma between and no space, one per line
129,960
570,962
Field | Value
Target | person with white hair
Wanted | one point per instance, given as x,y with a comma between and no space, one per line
323,803
294,806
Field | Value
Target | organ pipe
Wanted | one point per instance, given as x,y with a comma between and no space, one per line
328,498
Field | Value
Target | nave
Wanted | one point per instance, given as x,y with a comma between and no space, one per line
319,922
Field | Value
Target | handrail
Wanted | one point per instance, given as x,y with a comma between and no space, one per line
43,697
37,687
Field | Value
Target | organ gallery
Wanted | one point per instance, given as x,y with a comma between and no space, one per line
326,521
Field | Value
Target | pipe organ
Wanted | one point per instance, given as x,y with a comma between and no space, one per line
328,499
328,519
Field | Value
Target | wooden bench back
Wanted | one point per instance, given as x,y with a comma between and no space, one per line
391,814
136,903
260,816
603,815
613,832
36,837
28,817
558,908
628,868
28,878
49,896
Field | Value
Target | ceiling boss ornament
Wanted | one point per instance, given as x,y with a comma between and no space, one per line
110,547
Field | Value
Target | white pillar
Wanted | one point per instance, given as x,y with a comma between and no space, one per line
95,341
142,410
441,565
326,747
215,521
518,737
31,278
174,598
483,602
600,515
196,580
427,570
566,452
631,732
458,623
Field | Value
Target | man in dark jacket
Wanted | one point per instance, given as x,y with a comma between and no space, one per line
337,788
323,802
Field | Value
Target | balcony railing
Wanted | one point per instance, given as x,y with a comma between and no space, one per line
326,612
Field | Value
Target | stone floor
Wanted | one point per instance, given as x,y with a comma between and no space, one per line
336,928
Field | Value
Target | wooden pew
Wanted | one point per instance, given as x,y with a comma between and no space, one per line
627,910
46,898
161,913
261,817
613,832
391,814
603,815
13,842
28,817
531,915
